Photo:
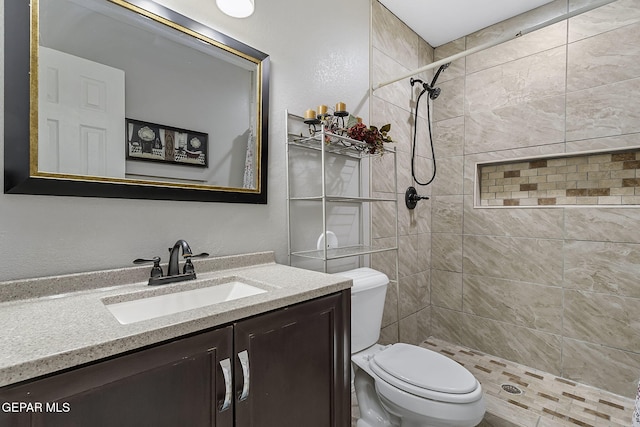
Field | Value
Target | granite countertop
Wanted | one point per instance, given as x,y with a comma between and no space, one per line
55,323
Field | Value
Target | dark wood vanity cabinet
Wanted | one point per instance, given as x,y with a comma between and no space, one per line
296,373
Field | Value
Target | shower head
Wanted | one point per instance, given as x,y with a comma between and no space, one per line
434,92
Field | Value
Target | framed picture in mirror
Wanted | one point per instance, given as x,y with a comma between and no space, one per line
158,143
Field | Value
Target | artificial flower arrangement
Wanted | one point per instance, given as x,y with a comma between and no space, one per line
372,136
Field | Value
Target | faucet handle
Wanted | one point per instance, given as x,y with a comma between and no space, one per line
188,265
156,270
202,255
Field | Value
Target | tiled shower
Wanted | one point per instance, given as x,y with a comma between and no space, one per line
552,288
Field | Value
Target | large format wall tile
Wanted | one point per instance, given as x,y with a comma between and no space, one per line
541,223
449,177
447,214
446,251
456,69
446,289
383,68
602,319
447,324
538,122
522,304
604,110
528,260
448,137
450,103
604,267
607,58
401,129
604,224
393,37
602,367
605,18
537,349
530,44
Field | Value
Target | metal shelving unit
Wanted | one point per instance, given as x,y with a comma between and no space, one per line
331,146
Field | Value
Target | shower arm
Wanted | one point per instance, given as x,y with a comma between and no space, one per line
495,42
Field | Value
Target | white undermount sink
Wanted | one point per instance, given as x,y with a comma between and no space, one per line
162,305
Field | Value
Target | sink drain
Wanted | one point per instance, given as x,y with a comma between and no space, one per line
511,389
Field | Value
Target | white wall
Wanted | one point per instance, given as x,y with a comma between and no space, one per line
319,55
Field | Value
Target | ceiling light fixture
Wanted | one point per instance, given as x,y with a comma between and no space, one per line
236,8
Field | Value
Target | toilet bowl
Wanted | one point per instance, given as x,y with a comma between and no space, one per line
403,385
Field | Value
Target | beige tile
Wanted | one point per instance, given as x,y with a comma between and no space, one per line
603,367
448,137
603,111
457,68
594,317
549,223
408,255
414,293
446,289
383,215
394,37
602,19
385,67
532,260
447,324
447,214
449,179
519,303
450,103
446,251
537,349
614,225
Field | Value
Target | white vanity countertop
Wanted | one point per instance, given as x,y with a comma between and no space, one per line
50,324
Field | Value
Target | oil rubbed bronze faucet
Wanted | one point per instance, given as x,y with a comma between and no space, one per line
173,270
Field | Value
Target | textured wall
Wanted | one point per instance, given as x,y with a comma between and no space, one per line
42,235
552,288
555,289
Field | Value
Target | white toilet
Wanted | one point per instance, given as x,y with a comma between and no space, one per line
403,385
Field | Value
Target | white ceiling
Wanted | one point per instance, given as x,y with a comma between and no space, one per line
441,21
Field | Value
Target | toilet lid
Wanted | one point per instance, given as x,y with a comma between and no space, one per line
422,369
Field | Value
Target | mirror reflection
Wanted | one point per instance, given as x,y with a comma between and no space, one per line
125,97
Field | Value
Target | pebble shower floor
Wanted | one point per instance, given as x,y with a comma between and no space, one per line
545,399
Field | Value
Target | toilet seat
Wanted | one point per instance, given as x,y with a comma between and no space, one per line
425,373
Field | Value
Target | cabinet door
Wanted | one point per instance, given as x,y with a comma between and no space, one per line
175,384
298,366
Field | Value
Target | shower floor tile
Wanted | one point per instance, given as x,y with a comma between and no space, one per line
545,400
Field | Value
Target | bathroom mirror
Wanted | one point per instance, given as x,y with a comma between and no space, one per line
129,99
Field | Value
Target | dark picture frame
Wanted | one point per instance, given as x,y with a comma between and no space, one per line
153,142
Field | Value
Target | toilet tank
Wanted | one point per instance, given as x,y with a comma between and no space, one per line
367,304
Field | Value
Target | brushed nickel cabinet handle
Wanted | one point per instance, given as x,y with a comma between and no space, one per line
225,365
244,362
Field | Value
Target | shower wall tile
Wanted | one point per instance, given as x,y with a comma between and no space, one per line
517,23
450,103
602,367
549,223
537,122
457,68
446,252
603,144
449,179
424,252
383,112
384,261
602,319
604,111
447,324
528,260
383,217
590,60
383,68
414,293
603,267
404,170
382,169
392,36
537,76
448,137
446,289
409,330
389,334
606,18
533,348
519,303
447,214
613,225
408,255
529,44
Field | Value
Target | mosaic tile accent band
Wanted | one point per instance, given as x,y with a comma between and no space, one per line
593,179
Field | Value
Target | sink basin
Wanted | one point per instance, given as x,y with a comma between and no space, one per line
162,305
